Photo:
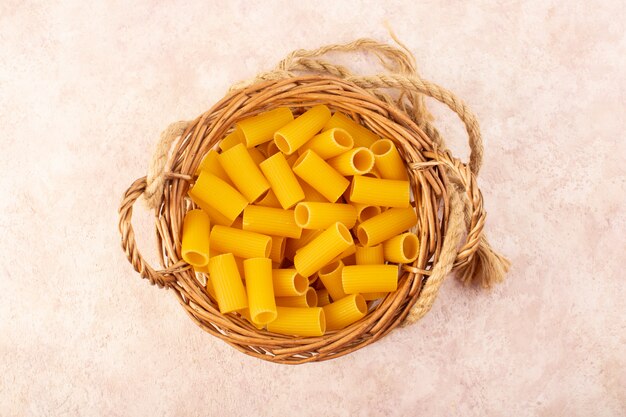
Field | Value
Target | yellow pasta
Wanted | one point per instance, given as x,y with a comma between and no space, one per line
269,148
389,163
245,313
213,192
260,290
259,129
282,180
311,194
308,299
369,278
344,312
385,226
271,221
321,176
256,156
372,255
313,279
345,254
402,249
321,250
295,134
277,254
361,135
229,290
323,298
299,321
350,259
314,215
357,161
365,211
293,245
212,165
378,192
240,243
330,143
370,296
330,275
210,289
288,283
232,139
243,172
269,200
195,242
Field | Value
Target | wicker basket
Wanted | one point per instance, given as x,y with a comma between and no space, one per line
448,202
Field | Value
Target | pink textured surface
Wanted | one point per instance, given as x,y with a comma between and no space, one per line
84,92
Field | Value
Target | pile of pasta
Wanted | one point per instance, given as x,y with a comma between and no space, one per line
301,221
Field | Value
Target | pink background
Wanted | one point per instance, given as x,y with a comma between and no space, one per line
84,93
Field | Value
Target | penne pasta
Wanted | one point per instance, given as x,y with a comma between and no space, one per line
243,172
315,215
299,321
372,255
232,139
402,249
357,161
308,299
344,312
229,290
329,143
211,164
323,298
369,278
322,177
260,128
288,283
330,275
282,180
240,243
389,163
361,135
295,134
210,191
260,290
277,254
378,192
271,221
385,226
195,241
321,250
293,245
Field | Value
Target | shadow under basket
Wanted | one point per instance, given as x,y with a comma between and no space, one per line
449,205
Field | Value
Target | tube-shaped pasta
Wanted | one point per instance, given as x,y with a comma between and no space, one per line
365,211
369,278
229,289
402,249
271,221
211,164
369,296
277,253
256,156
321,176
389,163
211,191
361,135
385,226
308,299
323,298
350,259
210,289
357,161
378,192
195,244
314,215
245,313
295,134
299,321
293,245
313,279
270,148
260,128
330,275
311,194
240,243
321,250
282,180
345,254
372,255
243,172
345,311
288,283
329,143
232,139
260,289
269,200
